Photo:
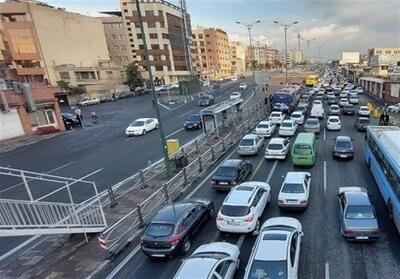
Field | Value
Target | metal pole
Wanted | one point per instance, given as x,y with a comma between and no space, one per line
252,55
286,65
146,54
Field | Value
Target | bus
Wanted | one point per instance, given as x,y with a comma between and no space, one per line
304,150
311,80
382,154
287,96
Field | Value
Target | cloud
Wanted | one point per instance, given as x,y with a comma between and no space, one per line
332,31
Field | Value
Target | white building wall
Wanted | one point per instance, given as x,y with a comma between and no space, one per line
10,125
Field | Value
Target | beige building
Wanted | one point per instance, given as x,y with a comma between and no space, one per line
167,37
212,53
380,60
43,44
238,58
297,56
272,57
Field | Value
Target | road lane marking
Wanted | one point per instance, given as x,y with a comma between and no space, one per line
177,131
183,114
325,177
327,270
324,134
164,106
19,247
271,172
240,240
248,99
123,263
50,171
257,168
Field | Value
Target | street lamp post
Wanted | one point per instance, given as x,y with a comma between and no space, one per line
286,27
153,93
308,45
248,27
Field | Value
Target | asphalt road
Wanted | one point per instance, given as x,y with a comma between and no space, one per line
324,254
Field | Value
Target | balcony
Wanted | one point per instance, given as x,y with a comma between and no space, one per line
29,71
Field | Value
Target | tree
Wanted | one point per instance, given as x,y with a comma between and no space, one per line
72,89
133,76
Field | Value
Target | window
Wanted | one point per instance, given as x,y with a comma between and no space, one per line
153,36
157,57
162,24
200,36
137,24
139,36
151,24
293,248
23,41
123,47
149,13
155,46
223,268
134,13
116,48
42,117
165,36
160,12
120,37
64,75
165,46
159,68
110,75
125,58
201,43
141,46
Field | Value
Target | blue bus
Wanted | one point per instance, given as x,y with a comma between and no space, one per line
382,154
286,98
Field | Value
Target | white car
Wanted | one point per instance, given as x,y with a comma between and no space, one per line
298,117
242,86
243,207
295,190
394,108
265,128
318,102
212,260
353,91
334,110
141,126
333,123
277,117
343,102
317,111
343,94
288,127
276,252
250,144
277,148
88,102
360,90
363,111
353,100
235,95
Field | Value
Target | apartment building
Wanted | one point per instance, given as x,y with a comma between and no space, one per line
212,53
381,60
43,44
238,58
260,55
168,34
272,57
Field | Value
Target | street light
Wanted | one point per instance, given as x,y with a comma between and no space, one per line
249,26
153,93
308,44
286,27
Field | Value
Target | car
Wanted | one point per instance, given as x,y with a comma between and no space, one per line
302,107
235,95
343,102
343,94
332,100
312,125
250,144
143,91
361,123
242,86
281,107
70,120
358,220
231,173
106,98
277,148
318,102
243,207
343,147
288,127
234,79
359,90
89,102
353,100
295,190
333,123
126,94
363,111
298,117
276,117
276,251
317,111
170,231
265,128
394,108
141,126
159,88
353,91
193,121
211,260
349,109
206,100
334,110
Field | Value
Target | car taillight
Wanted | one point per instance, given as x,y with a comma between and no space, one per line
376,231
249,218
175,239
280,201
219,217
348,231
213,182
303,201
233,182
141,240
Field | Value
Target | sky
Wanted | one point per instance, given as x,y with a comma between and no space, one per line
336,25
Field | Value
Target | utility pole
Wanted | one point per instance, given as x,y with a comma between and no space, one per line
153,93
298,40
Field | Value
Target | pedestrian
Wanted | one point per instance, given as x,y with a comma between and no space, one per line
113,96
382,119
387,119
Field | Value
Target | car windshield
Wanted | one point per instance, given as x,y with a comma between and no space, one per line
235,210
334,107
275,115
312,122
287,124
302,149
204,98
364,109
246,142
160,229
348,107
334,120
268,270
360,212
296,115
364,121
262,126
343,144
193,118
226,171
292,188
275,146
137,123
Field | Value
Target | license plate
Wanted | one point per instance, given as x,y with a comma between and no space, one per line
362,237
232,223
158,255
292,202
223,183
343,156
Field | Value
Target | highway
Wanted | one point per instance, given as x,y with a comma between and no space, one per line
324,253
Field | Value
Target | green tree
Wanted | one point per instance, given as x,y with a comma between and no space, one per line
133,76
72,89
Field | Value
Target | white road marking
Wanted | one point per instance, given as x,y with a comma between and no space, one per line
327,270
50,171
183,114
271,172
325,177
248,99
164,106
324,133
240,240
257,168
177,131
19,247
124,262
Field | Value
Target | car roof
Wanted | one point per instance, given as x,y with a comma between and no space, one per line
288,120
272,250
276,140
343,138
231,163
197,268
250,136
280,112
363,118
333,116
240,195
357,198
295,176
264,122
172,212
143,119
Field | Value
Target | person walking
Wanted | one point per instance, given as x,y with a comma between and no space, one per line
382,119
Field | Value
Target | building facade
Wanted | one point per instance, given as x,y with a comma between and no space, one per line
212,53
297,56
238,58
260,56
380,60
168,35
43,44
272,57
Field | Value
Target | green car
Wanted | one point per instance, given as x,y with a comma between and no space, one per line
304,150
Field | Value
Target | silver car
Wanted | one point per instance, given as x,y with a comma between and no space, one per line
250,144
312,125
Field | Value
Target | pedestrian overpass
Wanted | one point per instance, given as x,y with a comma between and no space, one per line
42,204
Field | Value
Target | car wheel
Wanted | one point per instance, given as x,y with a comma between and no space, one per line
186,246
257,228
144,132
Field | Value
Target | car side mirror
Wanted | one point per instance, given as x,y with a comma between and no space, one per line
301,234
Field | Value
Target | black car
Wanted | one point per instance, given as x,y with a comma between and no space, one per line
361,123
143,91
343,147
70,120
206,100
231,173
193,122
126,94
171,230
332,101
349,109
105,99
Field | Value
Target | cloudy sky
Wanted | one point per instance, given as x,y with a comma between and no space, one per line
337,25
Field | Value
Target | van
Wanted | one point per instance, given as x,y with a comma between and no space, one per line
304,150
